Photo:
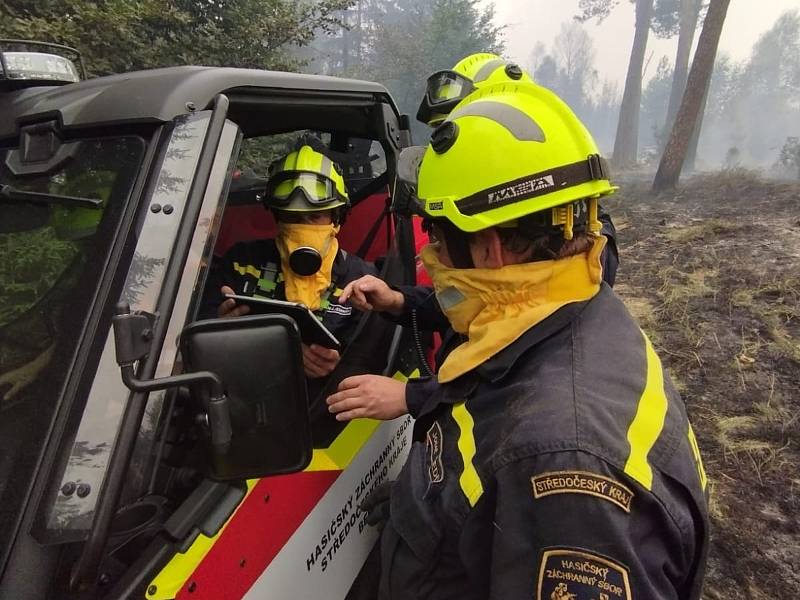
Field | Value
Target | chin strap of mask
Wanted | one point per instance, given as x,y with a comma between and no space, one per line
560,224
565,220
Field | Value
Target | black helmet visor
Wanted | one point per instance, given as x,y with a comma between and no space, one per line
444,90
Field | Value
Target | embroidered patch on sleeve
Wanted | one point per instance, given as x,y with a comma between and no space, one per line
433,442
581,482
574,574
339,309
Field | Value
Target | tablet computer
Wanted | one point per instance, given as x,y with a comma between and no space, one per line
312,331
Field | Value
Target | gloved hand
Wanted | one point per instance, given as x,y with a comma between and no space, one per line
376,504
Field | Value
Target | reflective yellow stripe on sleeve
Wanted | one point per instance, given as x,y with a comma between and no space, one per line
649,420
469,480
701,471
247,270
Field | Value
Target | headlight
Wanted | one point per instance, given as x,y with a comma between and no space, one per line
38,65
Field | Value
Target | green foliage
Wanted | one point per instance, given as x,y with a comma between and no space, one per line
595,9
568,68
258,153
665,20
756,103
414,38
774,65
124,35
667,16
400,42
32,262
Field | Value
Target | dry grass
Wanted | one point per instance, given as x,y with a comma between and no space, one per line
712,273
705,230
757,442
641,308
783,341
743,298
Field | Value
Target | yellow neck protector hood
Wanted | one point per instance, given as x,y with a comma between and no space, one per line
322,238
494,307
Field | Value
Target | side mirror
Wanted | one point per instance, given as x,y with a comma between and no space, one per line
259,360
404,193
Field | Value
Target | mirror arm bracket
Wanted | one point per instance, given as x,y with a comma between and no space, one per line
217,413
132,337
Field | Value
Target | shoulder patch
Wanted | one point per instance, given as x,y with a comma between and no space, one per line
582,482
575,574
433,443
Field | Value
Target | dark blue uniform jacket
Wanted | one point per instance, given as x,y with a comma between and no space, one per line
564,468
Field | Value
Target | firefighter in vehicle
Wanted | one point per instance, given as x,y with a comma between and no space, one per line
544,466
306,193
108,478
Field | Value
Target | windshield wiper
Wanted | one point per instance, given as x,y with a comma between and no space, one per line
12,194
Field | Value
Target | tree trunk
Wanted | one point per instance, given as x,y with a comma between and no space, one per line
669,169
690,12
345,42
626,140
359,34
691,151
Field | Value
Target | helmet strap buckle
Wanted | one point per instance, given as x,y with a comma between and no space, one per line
597,169
595,226
564,216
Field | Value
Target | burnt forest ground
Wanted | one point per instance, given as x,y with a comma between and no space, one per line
712,273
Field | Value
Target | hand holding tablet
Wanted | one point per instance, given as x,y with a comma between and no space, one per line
312,331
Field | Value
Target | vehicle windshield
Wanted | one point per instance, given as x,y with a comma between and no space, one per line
51,260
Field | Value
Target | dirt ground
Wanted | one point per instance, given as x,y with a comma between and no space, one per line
712,272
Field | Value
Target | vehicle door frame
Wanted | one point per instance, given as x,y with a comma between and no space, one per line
26,559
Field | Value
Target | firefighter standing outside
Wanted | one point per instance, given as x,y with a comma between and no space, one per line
415,306
555,458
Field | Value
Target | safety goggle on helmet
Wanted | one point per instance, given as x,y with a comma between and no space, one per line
305,180
445,89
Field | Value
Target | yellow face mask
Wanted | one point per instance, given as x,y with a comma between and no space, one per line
307,255
494,307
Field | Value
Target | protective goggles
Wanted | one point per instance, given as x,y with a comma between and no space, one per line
444,90
288,187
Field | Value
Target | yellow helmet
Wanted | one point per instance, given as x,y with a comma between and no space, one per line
305,180
447,88
508,151
484,69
